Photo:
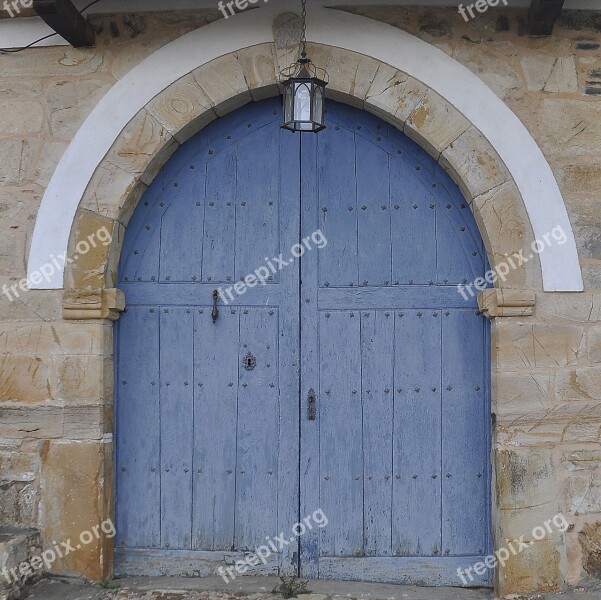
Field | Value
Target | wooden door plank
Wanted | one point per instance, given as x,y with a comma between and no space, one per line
138,431
289,350
176,422
377,370
257,432
337,205
257,201
373,215
417,434
465,424
310,478
181,233
413,226
219,236
215,418
341,441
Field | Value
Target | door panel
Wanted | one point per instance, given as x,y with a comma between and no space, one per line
212,458
207,450
398,359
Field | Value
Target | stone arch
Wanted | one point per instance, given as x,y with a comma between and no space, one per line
185,107
503,197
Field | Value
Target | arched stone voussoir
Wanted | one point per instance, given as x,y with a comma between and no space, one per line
133,161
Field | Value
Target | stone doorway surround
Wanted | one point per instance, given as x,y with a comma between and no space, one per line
526,347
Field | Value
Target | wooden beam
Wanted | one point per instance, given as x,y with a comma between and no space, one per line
543,15
66,20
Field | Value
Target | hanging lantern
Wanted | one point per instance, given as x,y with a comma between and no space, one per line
304,91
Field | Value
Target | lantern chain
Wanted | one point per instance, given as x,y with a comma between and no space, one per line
304,29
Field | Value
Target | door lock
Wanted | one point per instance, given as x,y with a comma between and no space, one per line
215,313
311,405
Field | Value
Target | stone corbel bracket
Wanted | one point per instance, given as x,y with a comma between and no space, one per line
93,304
504,302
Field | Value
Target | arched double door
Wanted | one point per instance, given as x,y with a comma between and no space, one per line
349,377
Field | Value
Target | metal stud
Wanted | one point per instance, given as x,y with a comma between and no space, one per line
350,209
414,476
364,207
396,207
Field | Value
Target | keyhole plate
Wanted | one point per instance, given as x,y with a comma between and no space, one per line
250,362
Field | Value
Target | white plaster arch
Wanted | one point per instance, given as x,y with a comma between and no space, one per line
426,63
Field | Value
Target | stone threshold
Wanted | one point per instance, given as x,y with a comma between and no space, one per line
259,588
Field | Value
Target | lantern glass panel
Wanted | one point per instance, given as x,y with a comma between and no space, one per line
302,105
288,103
318,105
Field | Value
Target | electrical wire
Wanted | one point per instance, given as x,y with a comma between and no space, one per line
13,50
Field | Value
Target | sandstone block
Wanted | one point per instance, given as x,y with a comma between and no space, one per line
521,345
473,164
434,124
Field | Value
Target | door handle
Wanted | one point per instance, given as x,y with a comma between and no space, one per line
311,405
215,313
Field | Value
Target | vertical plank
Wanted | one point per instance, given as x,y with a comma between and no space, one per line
417,434
377,369
373,215
257,432
257,200
289,350
138,434
181,224
310,478
465,423
414,226
215,417
219,236
459,248
337,204
341,441
176,421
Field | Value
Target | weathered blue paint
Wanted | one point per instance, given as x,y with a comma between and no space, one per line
212,458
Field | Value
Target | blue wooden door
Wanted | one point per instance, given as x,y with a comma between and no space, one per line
215,448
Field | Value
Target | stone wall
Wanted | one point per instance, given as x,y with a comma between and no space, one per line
56,375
